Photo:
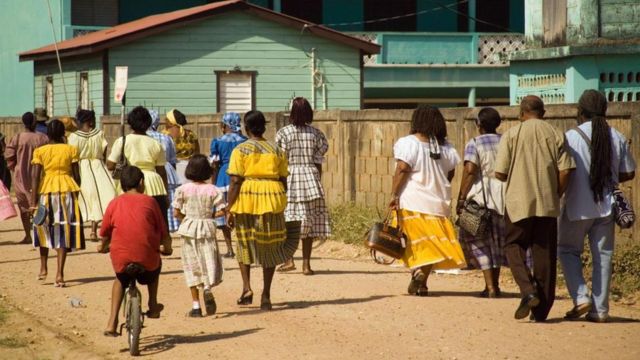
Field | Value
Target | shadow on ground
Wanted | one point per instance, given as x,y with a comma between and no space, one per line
156,344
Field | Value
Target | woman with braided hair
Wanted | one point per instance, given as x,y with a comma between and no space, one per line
603,160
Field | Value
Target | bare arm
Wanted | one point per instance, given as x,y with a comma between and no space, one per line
319,167
35,184
468,177
563,181
163,174
622,177
232,196
215,169
111,165
75,172
177,214
500,176
400,178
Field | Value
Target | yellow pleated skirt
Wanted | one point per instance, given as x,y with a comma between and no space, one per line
431,240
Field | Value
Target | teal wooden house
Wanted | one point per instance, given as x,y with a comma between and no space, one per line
225,56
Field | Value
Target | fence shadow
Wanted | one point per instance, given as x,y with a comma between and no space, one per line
156,344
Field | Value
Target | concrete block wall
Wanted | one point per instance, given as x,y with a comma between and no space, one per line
620,19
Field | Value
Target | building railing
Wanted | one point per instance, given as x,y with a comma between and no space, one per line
443,48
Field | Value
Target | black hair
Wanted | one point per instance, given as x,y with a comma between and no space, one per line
593,105
29,120
198,168
180,118
83,116
301,112
428,121
489,119
139,119
130,178
255,123
55,131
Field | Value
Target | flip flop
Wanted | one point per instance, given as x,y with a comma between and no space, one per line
286,268
60,284
41,277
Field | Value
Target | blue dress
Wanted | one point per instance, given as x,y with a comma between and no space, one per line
220,151
172,176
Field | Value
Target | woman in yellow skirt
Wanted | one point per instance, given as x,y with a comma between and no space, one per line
421,195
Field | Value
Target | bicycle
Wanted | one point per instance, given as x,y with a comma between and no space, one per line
132,309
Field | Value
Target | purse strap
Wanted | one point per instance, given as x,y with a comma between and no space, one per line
484,195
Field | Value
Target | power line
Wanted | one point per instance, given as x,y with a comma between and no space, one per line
472,18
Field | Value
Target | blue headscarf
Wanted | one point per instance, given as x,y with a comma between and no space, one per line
232,120
155,119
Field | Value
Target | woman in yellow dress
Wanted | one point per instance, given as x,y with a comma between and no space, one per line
98,189
421,194
186,141
55,186
144,152
256,203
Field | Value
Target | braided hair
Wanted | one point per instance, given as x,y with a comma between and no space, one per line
428,121
593,105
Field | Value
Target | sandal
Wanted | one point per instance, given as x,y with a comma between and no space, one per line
41,277
155,314
246,298
229,255
209,302
486,293
286,267
108,333
60,284
265,304
308,272
417,279
422,291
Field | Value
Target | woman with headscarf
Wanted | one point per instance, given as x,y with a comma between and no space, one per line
18,154
97,187
173,181
55,187
220,154
185,140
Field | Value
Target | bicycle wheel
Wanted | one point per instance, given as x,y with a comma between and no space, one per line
134,323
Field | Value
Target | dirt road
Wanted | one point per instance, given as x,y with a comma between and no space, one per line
352,309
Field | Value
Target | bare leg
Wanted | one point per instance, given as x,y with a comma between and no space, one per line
496,279
227,239
152,288
94,231
195,294
489,283
62,258
247,294
427,271
116,299
26,225
265,303
307,245
44,255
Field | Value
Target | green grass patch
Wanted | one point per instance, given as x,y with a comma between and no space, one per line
350,222
12,343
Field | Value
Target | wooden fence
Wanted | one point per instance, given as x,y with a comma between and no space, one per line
360,164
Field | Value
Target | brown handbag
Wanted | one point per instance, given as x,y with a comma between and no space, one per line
386,239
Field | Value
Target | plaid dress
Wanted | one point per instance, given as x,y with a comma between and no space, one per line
172,176
305,147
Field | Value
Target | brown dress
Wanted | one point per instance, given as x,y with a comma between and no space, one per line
18,154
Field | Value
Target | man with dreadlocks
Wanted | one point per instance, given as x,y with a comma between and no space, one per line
536,167
603,159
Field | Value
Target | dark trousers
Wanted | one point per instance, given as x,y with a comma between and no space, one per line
540,234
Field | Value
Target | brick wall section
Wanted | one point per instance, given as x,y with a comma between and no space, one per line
359,165
620,18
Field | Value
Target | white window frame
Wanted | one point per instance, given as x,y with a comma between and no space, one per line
220,107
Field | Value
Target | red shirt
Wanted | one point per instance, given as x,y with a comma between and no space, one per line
136,226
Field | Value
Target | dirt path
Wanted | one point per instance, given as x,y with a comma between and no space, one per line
351,309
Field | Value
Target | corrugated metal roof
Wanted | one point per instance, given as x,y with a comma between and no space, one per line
123,33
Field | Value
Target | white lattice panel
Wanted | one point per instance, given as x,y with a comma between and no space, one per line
495,49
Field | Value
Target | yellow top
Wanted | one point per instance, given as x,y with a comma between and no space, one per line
56,160
146,153
261,164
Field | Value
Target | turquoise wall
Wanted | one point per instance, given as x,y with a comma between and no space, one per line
24,31
176,68
70,90
340,11
435,20
516,15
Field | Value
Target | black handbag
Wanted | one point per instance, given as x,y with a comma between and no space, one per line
475,219
122,161
386,239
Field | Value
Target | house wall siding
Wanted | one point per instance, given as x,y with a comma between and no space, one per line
176,68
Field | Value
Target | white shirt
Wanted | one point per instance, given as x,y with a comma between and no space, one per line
428,190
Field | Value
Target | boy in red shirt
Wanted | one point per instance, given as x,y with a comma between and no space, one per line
133,230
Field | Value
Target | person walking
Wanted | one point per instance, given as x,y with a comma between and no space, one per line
5,173
484,251
185,140
603,160
194,204
97,186
421,196
18,153
144,152
56,176
41,120
256,203
305,147
220,153
533,161
170,166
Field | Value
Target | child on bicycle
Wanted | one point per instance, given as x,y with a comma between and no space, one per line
193,204
134,231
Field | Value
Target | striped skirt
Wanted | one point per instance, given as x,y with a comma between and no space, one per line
484,252
62,228
201,261
265,239
431,240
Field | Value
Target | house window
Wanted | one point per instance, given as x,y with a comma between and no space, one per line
235,91
309,10
384,9
494,15
83,99
48,95
94,12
